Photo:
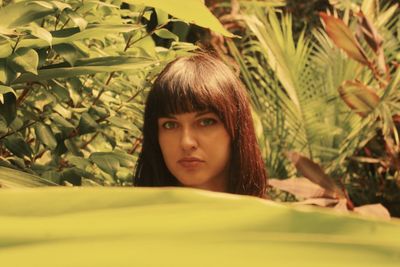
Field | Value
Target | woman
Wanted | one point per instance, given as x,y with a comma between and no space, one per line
198,131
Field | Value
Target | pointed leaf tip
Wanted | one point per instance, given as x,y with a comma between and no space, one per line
342,37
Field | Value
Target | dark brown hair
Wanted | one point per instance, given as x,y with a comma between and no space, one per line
201,82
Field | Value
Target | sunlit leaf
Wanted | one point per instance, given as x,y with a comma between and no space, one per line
45,135
106,162
92,66
24,60
374,210
166,34
192,11
10,178
104,225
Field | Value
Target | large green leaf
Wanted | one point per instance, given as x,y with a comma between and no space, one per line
184,227
192,11
91,66
74,34
10,178
24,12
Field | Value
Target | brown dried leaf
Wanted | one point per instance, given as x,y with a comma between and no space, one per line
374,210
359,97
343,38
300,187
369,32
341,205
315,173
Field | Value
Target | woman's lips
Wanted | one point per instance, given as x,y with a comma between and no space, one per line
190,163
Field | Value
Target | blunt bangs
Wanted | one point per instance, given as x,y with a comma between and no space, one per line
187,87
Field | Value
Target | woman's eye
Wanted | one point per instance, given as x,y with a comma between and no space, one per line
169,125
207,122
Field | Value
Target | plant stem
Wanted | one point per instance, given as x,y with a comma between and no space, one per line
20,129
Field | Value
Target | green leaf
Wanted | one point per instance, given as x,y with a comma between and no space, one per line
8,105
166,34
61,121
17,145
104,225
123,158
77,19
87,124
41,33
45,135
162,17
68,52
343,38
121,123
10,178
7,74
192,11
72,147
23,13
84,67
24,60
107,163
74,34
4,90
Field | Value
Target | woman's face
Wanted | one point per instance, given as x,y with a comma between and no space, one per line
196,148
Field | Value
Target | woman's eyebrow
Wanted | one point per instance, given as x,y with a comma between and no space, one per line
203,113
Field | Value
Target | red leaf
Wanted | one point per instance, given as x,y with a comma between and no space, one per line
370,33
315,173
343,38
359,97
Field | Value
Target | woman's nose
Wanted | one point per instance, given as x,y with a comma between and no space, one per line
188,139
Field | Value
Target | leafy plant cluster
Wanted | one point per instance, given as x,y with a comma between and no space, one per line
333,97
73,79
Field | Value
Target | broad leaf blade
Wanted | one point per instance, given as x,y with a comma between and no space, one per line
359,97
342,36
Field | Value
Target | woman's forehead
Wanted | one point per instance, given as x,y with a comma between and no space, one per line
194,114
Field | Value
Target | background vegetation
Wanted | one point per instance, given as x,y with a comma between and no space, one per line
74,75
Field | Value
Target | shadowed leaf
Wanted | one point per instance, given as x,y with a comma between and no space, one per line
369,32
10,178
322,202
314,173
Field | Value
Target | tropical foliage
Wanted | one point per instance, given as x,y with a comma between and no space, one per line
330,96
73,78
